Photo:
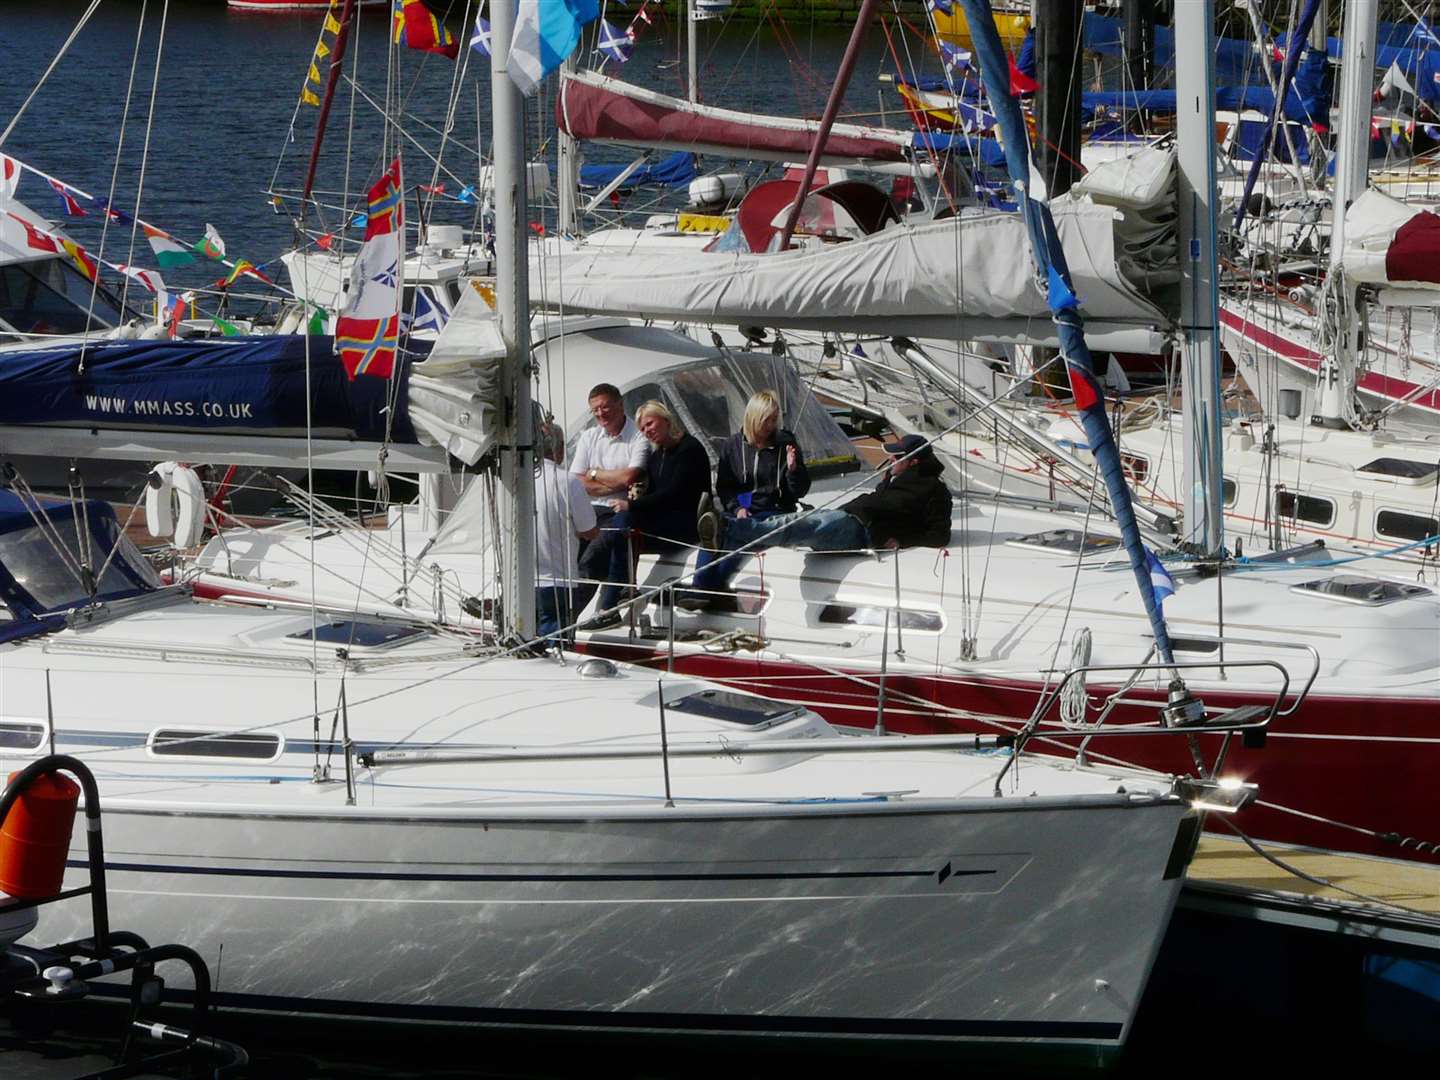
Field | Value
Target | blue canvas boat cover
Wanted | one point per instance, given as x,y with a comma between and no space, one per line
676,170
246,385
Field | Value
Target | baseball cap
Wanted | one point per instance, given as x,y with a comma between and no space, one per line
908,444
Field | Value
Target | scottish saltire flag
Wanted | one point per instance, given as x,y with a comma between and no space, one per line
945,7
427,316
616,44
1161,583
212,247
955,58
73,208
9,176
480,40
546,32
168,251
416,27
368,330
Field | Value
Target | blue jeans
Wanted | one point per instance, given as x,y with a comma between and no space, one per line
554,608
715,569
665,530
818,530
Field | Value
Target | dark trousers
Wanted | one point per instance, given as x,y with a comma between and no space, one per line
554,608
657,531
594,561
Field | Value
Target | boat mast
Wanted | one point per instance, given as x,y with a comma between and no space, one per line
692,44
1057,46
1334,407
1204,528
827,119
512,303
567,165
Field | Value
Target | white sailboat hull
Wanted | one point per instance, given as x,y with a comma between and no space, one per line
875,919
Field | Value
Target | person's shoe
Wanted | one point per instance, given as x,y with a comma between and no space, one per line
606,621
692,601
708,526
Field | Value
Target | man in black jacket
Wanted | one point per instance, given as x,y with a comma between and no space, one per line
912,505
910,508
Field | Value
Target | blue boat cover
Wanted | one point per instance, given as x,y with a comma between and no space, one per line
246,385
675,171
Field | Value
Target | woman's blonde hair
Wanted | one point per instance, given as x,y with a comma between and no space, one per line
660,409
762,405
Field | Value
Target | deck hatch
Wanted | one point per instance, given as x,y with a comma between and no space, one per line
1065,542
1403,469
1369,592
352,632
734,708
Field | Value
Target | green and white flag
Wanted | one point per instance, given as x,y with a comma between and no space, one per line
168,253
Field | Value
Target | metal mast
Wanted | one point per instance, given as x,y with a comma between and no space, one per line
1204,526
512,303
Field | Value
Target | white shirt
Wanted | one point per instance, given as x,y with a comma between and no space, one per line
597,450
562,509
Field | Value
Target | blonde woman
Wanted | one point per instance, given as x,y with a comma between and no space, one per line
761,473
661,511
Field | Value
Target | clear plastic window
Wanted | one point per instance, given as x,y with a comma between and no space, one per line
56,580
52,297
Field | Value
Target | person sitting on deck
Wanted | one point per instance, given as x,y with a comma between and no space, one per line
609,457
910,508
761,474
662,509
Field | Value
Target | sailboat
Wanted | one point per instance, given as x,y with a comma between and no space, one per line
1026,589
374,817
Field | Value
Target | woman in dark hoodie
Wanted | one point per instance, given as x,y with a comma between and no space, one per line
761,473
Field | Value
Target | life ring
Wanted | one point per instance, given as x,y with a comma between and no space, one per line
175,504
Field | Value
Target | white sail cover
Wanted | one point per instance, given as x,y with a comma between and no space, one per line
967,277
455,391
1389,242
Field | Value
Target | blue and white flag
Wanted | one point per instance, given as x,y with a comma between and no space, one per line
943,6
1161,583
480,40
956,58
427,316
616,44
546,32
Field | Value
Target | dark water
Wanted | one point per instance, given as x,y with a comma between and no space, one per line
226,130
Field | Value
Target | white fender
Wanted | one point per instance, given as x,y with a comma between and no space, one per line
175,504
159,517
190,504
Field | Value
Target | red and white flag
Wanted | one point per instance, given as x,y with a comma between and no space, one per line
367,333
9,176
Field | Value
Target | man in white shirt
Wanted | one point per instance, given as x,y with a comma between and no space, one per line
609,457
563,517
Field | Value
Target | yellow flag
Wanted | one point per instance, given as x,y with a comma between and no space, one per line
314,74
331,23
307,97
321,51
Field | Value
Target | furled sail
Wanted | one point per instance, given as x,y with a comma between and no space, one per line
963,277
601,109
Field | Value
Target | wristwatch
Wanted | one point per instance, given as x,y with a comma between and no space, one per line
592,473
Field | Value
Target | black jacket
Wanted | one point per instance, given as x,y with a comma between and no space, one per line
742,468
676,476
913,509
